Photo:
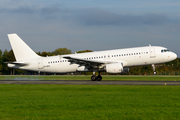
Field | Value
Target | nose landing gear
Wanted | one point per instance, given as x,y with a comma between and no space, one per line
154,69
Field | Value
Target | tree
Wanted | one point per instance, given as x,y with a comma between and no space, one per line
44,54
1,61
84,51
5,69
61,51
10,56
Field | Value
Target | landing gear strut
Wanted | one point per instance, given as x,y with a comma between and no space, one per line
154,69
96,78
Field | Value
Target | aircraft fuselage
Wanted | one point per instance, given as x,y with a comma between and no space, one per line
129,57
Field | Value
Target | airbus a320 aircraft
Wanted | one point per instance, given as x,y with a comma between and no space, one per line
110,61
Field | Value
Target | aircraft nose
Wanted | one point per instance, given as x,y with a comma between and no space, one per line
174,56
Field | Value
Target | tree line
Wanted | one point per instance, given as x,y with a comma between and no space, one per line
170,68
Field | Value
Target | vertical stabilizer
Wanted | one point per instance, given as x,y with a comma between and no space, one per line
21,50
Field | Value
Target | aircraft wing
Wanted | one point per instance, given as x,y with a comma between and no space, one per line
88,63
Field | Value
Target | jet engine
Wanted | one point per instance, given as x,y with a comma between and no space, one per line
82,69
114,68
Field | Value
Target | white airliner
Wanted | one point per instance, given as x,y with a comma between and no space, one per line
110,61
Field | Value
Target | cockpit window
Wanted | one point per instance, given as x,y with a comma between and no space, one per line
165,50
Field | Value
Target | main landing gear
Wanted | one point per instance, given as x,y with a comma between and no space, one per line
96,78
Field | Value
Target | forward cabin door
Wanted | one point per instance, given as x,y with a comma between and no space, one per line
152,52
40,64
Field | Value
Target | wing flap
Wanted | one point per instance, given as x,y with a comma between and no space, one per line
74,59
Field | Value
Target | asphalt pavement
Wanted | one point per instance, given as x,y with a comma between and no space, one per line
88,82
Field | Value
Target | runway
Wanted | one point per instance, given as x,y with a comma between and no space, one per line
88,82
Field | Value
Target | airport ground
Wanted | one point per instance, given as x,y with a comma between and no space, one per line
87,77
69,101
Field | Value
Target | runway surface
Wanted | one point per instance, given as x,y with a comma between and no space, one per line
86,82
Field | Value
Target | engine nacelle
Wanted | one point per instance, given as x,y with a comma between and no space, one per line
82,69
114,68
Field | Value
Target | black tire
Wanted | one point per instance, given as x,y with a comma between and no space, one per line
93,78
98,78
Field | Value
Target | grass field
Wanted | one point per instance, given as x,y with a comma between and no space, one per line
87,77
81,102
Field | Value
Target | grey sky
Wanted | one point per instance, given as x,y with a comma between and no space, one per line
92,24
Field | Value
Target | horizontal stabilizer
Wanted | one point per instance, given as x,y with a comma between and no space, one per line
18,63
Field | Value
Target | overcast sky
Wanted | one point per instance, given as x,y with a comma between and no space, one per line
46,25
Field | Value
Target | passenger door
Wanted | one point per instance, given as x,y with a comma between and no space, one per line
152,52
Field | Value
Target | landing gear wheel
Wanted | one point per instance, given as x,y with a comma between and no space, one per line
93,78
99,78
155,72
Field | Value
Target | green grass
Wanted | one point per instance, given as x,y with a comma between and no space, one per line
80,102
87,77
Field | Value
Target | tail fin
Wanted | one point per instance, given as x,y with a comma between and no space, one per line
21,50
